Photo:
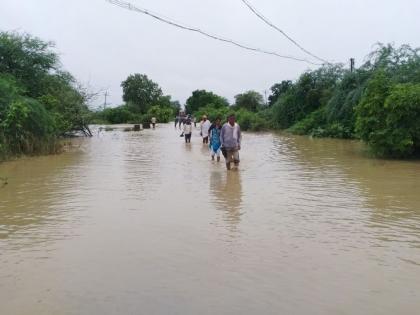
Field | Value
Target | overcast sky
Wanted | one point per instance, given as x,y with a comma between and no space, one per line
102,44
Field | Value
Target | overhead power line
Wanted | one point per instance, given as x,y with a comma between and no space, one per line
159,17
263,18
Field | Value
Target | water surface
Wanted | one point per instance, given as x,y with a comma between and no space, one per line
141,223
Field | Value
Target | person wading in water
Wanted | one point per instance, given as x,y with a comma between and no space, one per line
215,143
187,131
204,132
230,138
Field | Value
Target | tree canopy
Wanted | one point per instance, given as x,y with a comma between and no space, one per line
38,100
250,100
203,98
140,92
277,90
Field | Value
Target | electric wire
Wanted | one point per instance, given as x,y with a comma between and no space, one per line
131,7
265,20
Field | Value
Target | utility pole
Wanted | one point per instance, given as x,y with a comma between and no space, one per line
106,94
351,64
265,97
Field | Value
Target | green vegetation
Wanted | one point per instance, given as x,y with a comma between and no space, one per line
249,109
203,98
250,100
378,103
39,102
144,100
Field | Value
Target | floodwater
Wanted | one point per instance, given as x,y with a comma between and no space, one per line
141,223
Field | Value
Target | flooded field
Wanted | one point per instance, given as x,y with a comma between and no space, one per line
141,223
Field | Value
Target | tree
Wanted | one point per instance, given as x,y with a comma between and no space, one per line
165,102
28,59
38,101
203,98
277,90
140,92
162,114
250,100
388,116
176,107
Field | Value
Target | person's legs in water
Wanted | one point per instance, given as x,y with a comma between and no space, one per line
236,158
228,158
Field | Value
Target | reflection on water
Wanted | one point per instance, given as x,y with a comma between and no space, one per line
140,222
141,165
226,188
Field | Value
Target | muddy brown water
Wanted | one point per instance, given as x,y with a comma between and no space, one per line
140,223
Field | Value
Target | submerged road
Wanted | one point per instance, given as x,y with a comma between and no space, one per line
141,223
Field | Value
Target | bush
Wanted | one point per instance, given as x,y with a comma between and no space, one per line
9,92
212,113
339,110
245,119
38,101
391,126
28,128
163,115
314,121
116,115
370,112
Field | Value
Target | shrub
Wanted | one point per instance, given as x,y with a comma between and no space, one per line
370,112
388,118
245,119
212,113
28,127
117,115
312,122
163,115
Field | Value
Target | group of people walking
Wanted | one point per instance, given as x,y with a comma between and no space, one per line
225,139
182,120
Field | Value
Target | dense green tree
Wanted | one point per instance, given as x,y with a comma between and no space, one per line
9,91
176,107
277,90
38,101
203,98
117,115
167,102
250,100
28,59
162,114
312,90
388,116
140,93
65,101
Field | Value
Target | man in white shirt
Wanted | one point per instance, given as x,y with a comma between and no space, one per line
204,132
230,138
187,131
